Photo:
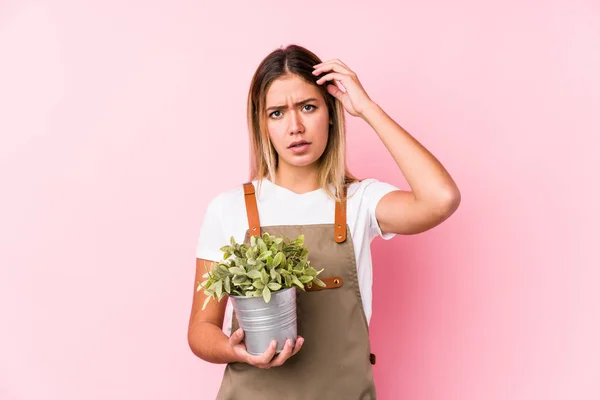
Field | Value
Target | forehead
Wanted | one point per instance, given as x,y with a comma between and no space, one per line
290,88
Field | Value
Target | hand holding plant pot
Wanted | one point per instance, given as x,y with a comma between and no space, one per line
268,359
261,280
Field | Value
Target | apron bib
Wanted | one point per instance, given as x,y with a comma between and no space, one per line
335,360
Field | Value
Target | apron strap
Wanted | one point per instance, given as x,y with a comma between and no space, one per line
339,230
251,209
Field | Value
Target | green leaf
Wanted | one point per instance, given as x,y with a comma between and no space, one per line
264,255
297,282
239,279
219,288
246,288
254,274
264,277
253,241
261,245
266,294
250,253
298,270
227,284
237,270
232,241
278,259
305,279
258,284
319,282
205,302
274,286
223,268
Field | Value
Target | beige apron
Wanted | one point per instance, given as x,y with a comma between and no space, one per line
335,360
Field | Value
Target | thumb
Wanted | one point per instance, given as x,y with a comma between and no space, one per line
236,337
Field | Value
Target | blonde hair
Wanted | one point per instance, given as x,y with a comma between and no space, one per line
299,61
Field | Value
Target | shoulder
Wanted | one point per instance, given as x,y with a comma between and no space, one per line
227,198
366,194
369,186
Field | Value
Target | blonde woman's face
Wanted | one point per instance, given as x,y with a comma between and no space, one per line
297,120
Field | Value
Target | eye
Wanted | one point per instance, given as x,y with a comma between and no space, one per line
277,111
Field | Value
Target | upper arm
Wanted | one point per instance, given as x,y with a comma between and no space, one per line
400,212
212,233
210,240
215,310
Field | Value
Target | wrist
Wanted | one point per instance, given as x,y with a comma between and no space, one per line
233,355
370,111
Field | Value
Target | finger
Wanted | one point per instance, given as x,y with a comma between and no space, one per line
264,359
334,75
284,355
335,91
333,67
236,337
299,343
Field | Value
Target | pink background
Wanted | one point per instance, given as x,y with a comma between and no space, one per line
120,120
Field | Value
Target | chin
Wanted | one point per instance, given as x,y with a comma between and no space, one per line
302,161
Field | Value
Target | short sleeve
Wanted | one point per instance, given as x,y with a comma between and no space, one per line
211,237
373,193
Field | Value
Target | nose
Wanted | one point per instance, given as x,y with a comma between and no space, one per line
295,123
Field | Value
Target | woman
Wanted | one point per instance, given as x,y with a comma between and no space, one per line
300,184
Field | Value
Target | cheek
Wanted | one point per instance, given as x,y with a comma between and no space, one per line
276,134
324,128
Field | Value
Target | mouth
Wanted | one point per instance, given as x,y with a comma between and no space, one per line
298,144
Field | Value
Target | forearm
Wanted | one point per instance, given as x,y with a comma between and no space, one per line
426,176
208,342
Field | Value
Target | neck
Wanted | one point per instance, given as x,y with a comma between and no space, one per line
297,179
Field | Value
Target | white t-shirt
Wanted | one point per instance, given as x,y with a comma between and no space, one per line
226,216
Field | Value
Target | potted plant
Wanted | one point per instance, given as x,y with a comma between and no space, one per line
261,279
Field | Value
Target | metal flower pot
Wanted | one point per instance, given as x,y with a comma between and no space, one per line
262,322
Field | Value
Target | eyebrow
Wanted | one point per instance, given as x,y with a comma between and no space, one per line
297,104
